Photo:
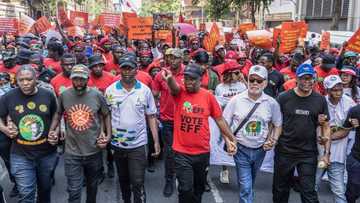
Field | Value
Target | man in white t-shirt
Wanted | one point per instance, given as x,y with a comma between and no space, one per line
258,134
132,104
338,105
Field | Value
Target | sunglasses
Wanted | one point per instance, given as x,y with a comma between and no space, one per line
252,80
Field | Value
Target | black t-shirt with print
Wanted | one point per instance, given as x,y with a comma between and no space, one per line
354,113
32,114
300,121
275,83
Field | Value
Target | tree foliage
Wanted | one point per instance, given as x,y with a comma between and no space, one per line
165,6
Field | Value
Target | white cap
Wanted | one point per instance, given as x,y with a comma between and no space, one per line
331,80
219,46
259,71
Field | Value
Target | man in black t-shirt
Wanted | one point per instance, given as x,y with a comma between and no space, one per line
303,112
353,159
275,78
26,113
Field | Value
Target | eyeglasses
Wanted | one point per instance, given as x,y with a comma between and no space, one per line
252,80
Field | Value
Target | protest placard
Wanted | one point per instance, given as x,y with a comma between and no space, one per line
79,18
25,24
260,38
41,25
325,41
140,27
244,27
110,19
8,25
289,36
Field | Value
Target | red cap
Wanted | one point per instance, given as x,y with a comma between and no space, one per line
145,53
229,65
231,55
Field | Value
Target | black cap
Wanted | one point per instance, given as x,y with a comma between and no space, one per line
24,54
8,55
95,60
193,70
328,60
5,76
298,57
129,61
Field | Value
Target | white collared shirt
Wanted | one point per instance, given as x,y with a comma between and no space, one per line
128,114
255,131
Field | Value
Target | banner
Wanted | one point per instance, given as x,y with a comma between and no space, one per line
260,38
75,31
62,15
41,25
165,35
303,29
79,18
25,24
354,42
140,28
289,36
325,41
8,26
212,39
163,21
110,19
244,27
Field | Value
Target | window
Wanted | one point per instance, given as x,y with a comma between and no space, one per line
345,8
309,8
327,8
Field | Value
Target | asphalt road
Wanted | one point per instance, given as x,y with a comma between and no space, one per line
109,189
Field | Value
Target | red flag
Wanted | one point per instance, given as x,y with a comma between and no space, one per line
41,25
325,41
212,39
354,42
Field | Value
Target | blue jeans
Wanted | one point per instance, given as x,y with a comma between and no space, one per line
335,173
247,161
79,167
31,175
353,184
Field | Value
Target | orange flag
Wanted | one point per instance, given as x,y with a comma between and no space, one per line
354,42
325,41
212,39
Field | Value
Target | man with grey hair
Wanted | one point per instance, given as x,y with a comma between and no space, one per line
256,120
26,114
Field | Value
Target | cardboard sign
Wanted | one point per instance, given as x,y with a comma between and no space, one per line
8,26
303,29
260,38
41,25
110,19
79,18
165,35
244,27
354,42
140,28
212,39
25,24
127,15
325,41
163,21
289,36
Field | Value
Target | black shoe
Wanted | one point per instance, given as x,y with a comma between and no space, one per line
110,172
14,192
169,188
151,168
207,187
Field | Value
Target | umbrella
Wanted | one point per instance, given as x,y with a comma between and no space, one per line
185,28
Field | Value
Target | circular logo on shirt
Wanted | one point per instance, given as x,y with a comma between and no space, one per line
43,108
254,127
31,127
31,105
80,117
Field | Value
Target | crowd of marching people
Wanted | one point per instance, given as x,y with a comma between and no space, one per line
82,96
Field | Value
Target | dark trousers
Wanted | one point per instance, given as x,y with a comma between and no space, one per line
2,196
284,167
130,164
109,155
167,137
190,173
79,167
353,184
5,145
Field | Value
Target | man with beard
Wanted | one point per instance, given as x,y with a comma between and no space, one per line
43,73
209,79
257,119
132,108
112,65
304,111
26,115
193,107
88,131
62,81
79,51
161,91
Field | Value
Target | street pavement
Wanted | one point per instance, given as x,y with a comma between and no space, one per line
109,190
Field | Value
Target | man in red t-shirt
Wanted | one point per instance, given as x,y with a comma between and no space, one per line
100,78
193,107
9,66
290,71
112,66
55,52
326,68
62,81
161,91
